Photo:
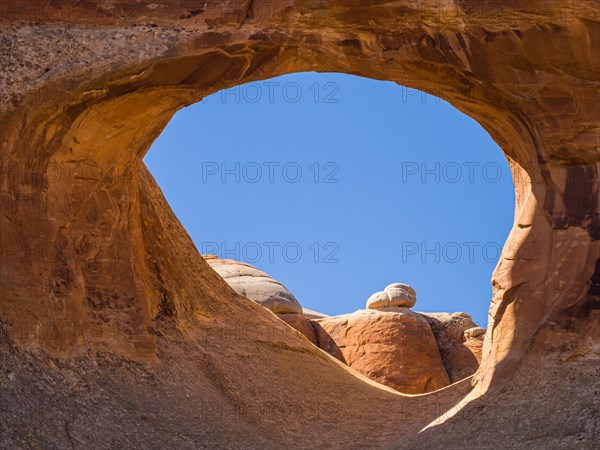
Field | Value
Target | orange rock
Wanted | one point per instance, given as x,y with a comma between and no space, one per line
94,259
300,323
473,340
460,360
395,347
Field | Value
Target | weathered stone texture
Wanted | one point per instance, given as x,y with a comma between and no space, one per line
93,260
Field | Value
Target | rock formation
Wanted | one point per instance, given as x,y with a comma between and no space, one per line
256,285
310,314
261,288
97,271
461,355
387,342
402,350
473,340
394,347
396,294
302,324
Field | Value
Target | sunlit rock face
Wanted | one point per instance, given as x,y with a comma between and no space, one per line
302,324
256,285
395,295
403,350
93,260
387,343
78,121
395,347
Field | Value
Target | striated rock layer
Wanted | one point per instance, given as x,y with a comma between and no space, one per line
94,262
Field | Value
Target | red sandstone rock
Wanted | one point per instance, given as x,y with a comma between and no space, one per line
460,360
104,90
394,347
86,87
473,340
300,323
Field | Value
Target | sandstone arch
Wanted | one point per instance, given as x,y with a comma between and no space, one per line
86,89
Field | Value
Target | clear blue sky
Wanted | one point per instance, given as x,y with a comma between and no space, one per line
337,185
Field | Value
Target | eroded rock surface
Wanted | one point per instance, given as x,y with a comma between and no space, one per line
474,342
302,324
396,350
394,295
256,285
461,355
394,347
309,313
94,261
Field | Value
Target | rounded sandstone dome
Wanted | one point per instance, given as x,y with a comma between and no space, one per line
396,294
401,294
378,300
256,285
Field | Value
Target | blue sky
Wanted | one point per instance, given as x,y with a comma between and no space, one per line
338,185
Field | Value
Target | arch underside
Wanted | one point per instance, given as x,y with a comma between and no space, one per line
95,263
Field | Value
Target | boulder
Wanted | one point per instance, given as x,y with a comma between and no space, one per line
378,300
474,332
394,295
450,330
395,347
256,285
401,294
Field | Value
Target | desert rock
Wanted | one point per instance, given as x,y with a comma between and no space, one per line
473,340
401,294
474,332
88,86
378,300
310,314
301,323
256,285
450,330
395,347
394,295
